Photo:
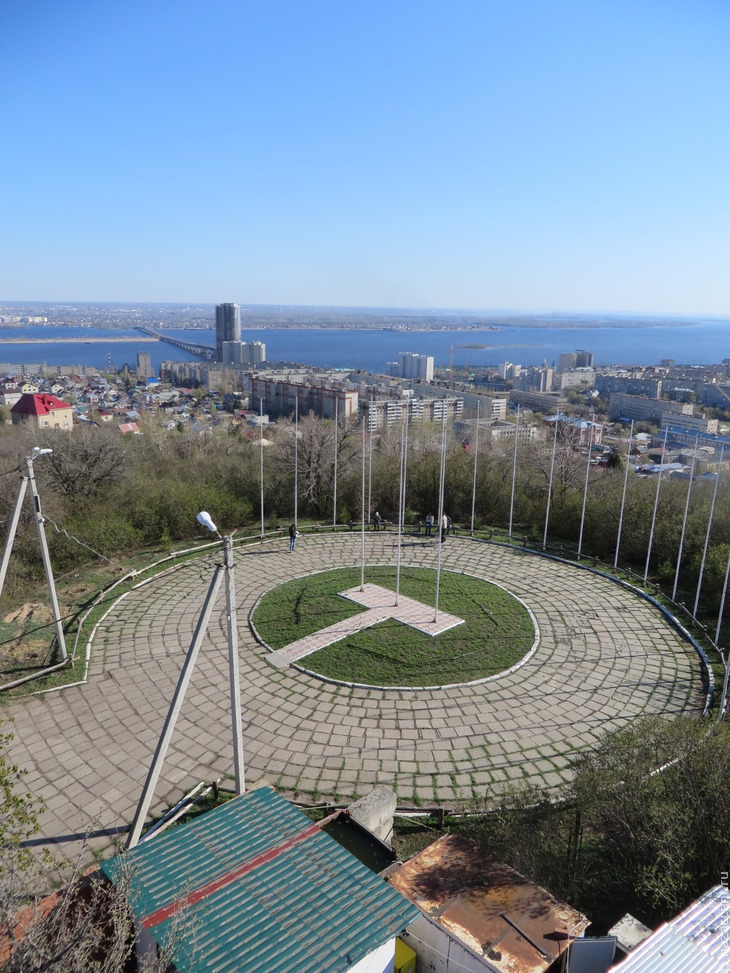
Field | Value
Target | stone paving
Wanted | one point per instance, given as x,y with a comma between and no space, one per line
604,657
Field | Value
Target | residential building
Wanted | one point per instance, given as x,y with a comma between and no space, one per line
583,359
42,411
227,326
624,406
535,379
567,361
144,366
690,423
413,366
607,384
539,401
248,354
280,398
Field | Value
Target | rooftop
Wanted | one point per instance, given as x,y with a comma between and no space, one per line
260,888
499,914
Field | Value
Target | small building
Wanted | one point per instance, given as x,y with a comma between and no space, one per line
697,940
479,915
253,886
42,411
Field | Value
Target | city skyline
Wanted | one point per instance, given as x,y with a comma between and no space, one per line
543,156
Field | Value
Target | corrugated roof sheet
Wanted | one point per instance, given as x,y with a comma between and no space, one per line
251,886
697,941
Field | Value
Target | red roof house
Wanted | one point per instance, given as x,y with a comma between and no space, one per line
42,411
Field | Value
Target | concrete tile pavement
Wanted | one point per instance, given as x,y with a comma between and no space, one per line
604,658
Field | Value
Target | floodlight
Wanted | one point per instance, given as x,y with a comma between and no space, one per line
206,520
37,451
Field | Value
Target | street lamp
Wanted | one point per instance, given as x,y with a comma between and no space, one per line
205,520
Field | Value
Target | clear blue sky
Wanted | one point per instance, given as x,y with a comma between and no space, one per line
524,154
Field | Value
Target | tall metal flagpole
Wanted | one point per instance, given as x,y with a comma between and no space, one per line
232,625
514,473
474,484
334,498
707,536
400,507
684,521
585,487
370,475
722,602
656,505
442,532
261,439
296,462
550,484
623,498
362,526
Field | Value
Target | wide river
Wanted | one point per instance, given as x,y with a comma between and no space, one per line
702,342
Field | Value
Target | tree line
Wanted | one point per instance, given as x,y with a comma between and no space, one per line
116,494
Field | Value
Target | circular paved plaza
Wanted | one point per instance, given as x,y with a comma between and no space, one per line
605,656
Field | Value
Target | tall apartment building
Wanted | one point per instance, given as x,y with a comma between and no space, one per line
583,359
380,413
248,354
413,366
227,326
567,361
144,366
535,380
641,407
651,387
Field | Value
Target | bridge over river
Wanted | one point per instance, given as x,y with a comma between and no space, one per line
201,351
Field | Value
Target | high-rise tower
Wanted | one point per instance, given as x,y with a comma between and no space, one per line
227,326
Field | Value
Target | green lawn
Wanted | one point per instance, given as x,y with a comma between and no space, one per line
497,630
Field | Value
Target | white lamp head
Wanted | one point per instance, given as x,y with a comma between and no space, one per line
37,451
205,519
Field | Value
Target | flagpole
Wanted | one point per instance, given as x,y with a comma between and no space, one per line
550,483
722,602
370,473
707,536
623,498
585,487
334,497
362,530
656,505
514,473
684,522
474,484
401,501
296,462
261,448
442,533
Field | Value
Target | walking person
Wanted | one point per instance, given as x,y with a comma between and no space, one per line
376,520
429,524
293,534
444,527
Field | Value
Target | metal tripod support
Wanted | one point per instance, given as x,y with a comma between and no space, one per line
225,569
29,478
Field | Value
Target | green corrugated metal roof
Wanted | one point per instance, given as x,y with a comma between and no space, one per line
269,892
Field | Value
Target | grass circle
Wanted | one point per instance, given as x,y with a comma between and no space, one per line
498,629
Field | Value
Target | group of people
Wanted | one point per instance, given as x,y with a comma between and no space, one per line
445,525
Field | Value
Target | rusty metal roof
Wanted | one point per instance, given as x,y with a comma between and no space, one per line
254,886
516,926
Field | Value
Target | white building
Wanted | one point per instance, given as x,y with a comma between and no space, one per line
416,367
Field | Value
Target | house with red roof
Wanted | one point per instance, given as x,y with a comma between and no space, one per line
42,411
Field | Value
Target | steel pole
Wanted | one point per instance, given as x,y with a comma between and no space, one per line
707,536
585,488
474,483
9,540
40,524
334,497
362,526
442,530
261,448
722,602
684,521
656,505
234,678
514,473
175,706
550,484
400,510
296,463
623,498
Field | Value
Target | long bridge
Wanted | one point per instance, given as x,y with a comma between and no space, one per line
200,351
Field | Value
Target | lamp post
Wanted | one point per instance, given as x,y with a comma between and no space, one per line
222,570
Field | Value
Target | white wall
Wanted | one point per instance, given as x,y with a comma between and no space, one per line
438,953
382,960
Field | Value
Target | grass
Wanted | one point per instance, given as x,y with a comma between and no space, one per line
497,630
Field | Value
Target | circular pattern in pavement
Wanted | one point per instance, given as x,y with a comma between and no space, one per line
605,657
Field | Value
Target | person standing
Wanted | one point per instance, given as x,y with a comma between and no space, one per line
293,534
444,527
376,520
429,525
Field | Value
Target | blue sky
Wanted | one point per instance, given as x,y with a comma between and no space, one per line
494,154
